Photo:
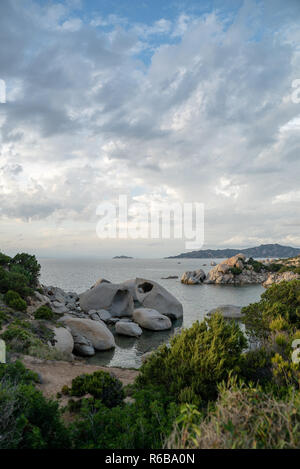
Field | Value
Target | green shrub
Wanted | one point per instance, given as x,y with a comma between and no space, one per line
101,385
28,265
235,270
14,281
13,300
4,260
43,312
19,337
197,360
32,339
28,420
257,366
274,267
17,373
274,321
243,418
279,301
257,266
144,424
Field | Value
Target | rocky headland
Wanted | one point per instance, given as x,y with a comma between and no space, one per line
238,270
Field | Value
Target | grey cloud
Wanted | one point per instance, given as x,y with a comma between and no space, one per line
208,107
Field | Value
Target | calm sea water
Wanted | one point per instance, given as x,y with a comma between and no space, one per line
78,275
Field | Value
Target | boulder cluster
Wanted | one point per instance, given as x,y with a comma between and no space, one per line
89,320
280,277
233,271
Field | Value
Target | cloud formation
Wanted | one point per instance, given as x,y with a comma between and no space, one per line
196,107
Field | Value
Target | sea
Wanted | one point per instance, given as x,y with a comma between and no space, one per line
78,275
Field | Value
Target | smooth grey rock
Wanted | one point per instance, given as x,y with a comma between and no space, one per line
152,295
194,277
113,320
63,340
95,331
227,311
83,346
55,293
59,308
114,298
128,328
101,280
151,319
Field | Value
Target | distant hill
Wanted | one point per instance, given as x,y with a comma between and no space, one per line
265,250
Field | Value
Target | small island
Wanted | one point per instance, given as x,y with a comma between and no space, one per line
122,257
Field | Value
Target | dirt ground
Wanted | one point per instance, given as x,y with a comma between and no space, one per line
55,374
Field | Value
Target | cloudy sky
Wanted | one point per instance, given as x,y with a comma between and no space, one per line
165,102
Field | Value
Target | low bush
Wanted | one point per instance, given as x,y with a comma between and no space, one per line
43,312
257,266
274,322
101,385
235,270
13,300
144,424
280,301
197,360
243,418
32,338
28,420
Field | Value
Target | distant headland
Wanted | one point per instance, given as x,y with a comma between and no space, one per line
265,250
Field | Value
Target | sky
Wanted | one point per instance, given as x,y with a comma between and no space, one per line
165,102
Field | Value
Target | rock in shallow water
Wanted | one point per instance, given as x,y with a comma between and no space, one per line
227,311
95,331
194,277
128,328
151,319
83,346
153,296
114,298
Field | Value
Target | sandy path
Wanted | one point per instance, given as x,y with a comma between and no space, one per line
55,374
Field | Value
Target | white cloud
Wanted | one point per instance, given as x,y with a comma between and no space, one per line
207,120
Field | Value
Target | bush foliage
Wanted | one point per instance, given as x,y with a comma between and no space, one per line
43,312
198,359
19,273
28,420
14,300
101,386
243,417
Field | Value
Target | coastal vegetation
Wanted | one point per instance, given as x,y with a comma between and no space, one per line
213,386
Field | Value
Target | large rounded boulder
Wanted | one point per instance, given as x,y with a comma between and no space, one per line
152,295
95,331
194,277
151,319
63,340
111,297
